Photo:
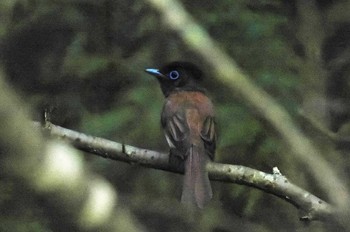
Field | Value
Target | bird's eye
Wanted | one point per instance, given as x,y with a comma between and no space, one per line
173,75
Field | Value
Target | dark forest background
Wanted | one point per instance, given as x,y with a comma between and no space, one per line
84,60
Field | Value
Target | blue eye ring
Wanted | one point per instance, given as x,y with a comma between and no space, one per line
173,75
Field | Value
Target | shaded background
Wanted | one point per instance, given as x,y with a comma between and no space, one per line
84,60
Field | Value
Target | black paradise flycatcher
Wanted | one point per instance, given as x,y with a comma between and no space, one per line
188,122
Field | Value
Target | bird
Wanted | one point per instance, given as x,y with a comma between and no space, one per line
188,122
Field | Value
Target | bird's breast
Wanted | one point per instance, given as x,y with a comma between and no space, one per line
189,100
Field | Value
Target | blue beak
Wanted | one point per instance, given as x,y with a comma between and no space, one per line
153,71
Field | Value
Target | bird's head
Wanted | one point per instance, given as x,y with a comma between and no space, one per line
177,76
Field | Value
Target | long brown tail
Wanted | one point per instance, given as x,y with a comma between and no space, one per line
196,187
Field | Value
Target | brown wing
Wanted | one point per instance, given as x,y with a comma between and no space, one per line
176,129
208,135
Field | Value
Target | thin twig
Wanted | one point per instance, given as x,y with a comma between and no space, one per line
339,140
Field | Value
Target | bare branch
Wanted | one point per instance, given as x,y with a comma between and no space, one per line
312,207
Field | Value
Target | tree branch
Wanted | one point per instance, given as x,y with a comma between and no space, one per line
311,207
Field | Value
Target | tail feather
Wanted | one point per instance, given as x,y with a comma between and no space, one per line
196,188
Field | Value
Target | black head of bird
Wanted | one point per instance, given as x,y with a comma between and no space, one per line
178,75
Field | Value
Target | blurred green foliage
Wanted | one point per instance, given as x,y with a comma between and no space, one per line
85,60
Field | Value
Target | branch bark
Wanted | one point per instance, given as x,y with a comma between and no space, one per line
310,206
